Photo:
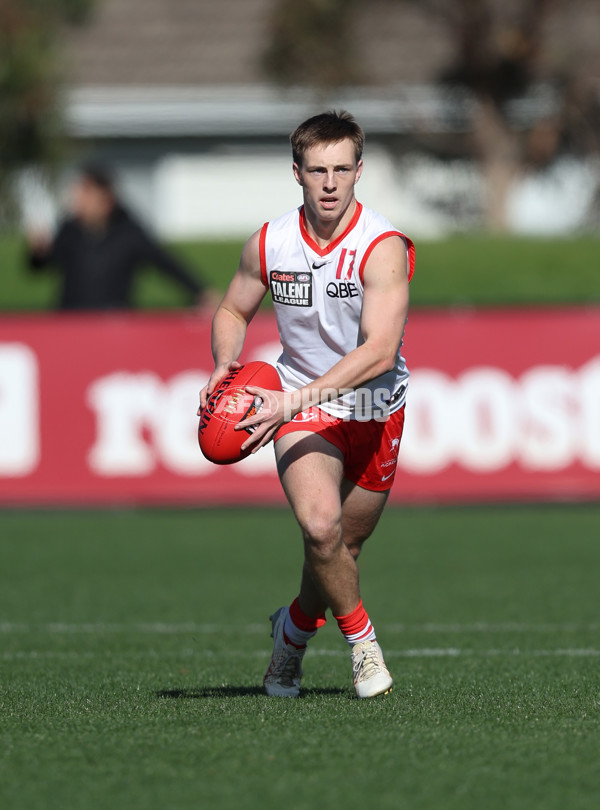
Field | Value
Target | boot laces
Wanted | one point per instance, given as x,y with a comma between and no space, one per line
287,667
366,662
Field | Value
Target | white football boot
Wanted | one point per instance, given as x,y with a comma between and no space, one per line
282,678
370,673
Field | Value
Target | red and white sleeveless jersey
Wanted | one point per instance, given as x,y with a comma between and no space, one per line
317,295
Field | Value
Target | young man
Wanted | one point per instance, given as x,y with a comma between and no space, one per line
338,275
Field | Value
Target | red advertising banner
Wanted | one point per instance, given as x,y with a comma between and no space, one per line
95,410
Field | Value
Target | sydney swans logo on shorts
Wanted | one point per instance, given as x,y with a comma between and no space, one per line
389,467
292,289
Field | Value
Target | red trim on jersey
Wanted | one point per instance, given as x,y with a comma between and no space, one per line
409,244
332,245
262,251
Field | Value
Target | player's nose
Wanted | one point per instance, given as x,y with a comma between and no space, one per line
329,183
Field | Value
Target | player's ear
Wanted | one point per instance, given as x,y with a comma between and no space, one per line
297,174
359,168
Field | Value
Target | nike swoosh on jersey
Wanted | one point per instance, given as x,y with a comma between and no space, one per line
316,266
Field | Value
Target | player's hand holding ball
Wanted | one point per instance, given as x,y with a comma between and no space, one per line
264,423
229,415
215,378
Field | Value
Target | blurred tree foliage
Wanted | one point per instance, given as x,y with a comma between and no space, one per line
30,81
312,43
500,53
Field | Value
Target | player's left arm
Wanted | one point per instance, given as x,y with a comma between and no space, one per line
384,313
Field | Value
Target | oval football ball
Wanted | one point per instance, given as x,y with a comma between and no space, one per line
229,404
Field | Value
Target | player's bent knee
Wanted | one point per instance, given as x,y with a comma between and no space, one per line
322,536
319,523
323,533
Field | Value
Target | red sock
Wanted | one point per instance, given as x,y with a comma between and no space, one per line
299,627
356,626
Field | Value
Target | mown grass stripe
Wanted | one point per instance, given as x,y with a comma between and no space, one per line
164,628
423,652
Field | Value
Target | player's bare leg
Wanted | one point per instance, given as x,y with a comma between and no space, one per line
361,510
282,678
311,472
309,465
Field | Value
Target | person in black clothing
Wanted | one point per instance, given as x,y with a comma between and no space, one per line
100,247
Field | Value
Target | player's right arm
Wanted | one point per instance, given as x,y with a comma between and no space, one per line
234,313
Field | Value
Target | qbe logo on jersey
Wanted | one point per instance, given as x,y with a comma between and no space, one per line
292,289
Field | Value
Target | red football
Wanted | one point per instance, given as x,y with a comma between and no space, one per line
229,404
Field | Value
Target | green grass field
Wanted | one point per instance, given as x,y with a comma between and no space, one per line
460,270
133,646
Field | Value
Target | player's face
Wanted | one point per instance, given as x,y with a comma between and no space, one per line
327,175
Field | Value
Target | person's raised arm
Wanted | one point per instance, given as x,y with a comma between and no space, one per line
234,313
150,251
40,250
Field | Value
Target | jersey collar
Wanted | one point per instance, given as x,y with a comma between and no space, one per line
332,245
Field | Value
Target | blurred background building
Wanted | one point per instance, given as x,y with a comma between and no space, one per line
477,114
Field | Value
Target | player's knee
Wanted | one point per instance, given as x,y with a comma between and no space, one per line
322,534
319,520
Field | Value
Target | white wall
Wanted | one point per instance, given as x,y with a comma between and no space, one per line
220,195
234,194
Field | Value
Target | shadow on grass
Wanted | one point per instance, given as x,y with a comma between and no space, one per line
238,691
